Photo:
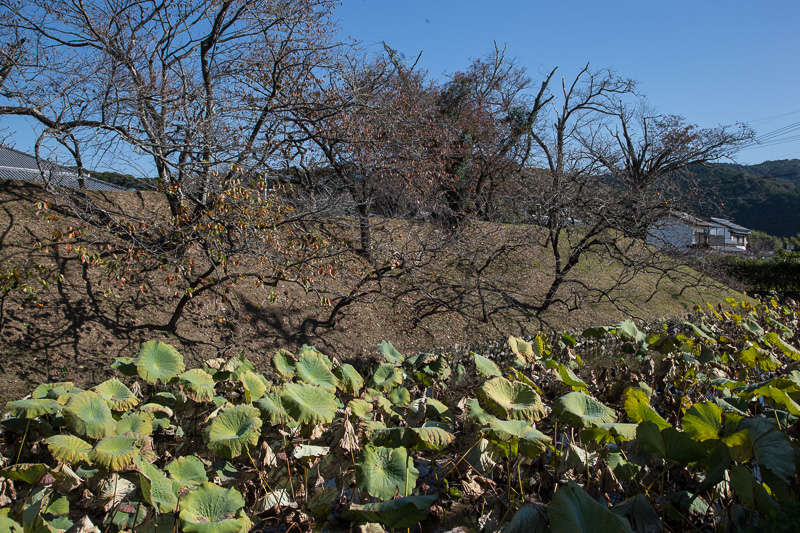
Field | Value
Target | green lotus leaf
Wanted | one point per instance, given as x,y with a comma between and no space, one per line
435,435
9,525
233,431
197,384
486,367
307,404
436,409
400,513
125,366
476,413
514,437
703,421
212,509
751,492
24,426
393,437
272,409
350,381
400,396
311,368
359,408
254,385
637,406
68,448
771,447
129,516
158,361
114,453
482,456
386,472
116,394
522,349
668,443
640,513
530,518
753,356
155,487
572,509
386,377
87,413
311,350
516,401
378,400
389,353
156,408
188,468
59,392
580,410
29,473
283,364
610,432
139,423
31,408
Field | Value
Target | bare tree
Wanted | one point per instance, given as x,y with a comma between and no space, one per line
195,93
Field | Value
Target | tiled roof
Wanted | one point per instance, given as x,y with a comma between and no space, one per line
730,225
16,165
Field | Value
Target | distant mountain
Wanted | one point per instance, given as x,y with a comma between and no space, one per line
763,197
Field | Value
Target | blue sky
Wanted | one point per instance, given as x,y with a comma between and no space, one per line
713,62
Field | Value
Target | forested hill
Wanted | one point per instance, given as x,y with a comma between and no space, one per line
763,197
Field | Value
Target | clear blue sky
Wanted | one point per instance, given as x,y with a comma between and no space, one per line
714,62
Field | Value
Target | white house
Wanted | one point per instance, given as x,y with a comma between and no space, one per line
681,231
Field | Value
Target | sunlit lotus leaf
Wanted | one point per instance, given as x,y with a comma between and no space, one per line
775,340
155,487
436,409
114,453
434,435
130,515
530,518
399,396
482,456
307,404
234,367
283,364
197,384
68,448
272,409
311,368
512,400
125,366
581,410
156,408
350,381
573,510
386,472
476,413
400,513
29,473
9,525
31,408
486,367
158,361
87,413
116,394
188,469
59,392
233,431
378,400
637,406
359,407
212,509
703,421
389,353
753,356
517,437
308,350
610,432
254,385
522,349
139,423
386,377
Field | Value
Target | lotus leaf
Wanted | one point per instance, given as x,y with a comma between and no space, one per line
611,432
581,410
637,405
129,516
187,469
668,443
703,421
311,350
753,356
400,396
272,409
25,426
233,431
31,408
517,437
114,453
400,513
68,448
311,368
386,472
9,525
197,384
212,509
436,409
573,510
640,514
139,423
530,518
59,392
304,450
481,456
522,349
283,364
389,353
254,385
775,340
87,413
29,473
117,395
158,361
350,381
476,413
125,366
751,492
155,487
771,447
516,401
359,407
307,404
386,377
486,367
434,435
